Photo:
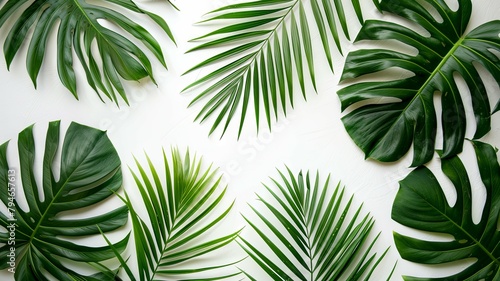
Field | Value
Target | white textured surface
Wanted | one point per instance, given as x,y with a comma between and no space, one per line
312,137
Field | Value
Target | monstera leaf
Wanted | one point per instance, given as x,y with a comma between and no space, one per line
406,114
421,204
42,237
183,205
306,233
79,27
270,40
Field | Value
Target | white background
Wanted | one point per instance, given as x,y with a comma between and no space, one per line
311,137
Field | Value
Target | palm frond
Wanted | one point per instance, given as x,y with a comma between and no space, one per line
309,234
182,206
271,50
78,29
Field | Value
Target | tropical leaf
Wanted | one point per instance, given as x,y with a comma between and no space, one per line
386,130
182,207
43,238
311,233
79,31
421,204
269,39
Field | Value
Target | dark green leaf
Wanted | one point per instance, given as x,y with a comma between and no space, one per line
385,131
74,20
421,204
89,174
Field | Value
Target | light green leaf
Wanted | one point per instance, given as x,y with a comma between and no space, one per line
183,203
327,241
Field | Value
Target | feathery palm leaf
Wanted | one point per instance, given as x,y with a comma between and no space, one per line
385,131
78,29
181,208
44,236
308,230
421,204
271,38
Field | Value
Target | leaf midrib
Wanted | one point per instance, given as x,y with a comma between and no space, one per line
164,249
310,249
61,189
478,243
418,95
96,28
266,40
168,230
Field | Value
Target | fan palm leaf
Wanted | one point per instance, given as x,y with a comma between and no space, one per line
421,204
182,206
42,238
386,130
271,39
311,232
78,28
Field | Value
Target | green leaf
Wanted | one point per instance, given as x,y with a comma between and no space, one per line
257,31
421,204
386,130
183,204
327,241
90,172
78,21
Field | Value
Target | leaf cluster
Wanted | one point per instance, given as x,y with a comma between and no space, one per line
306,231
182,202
